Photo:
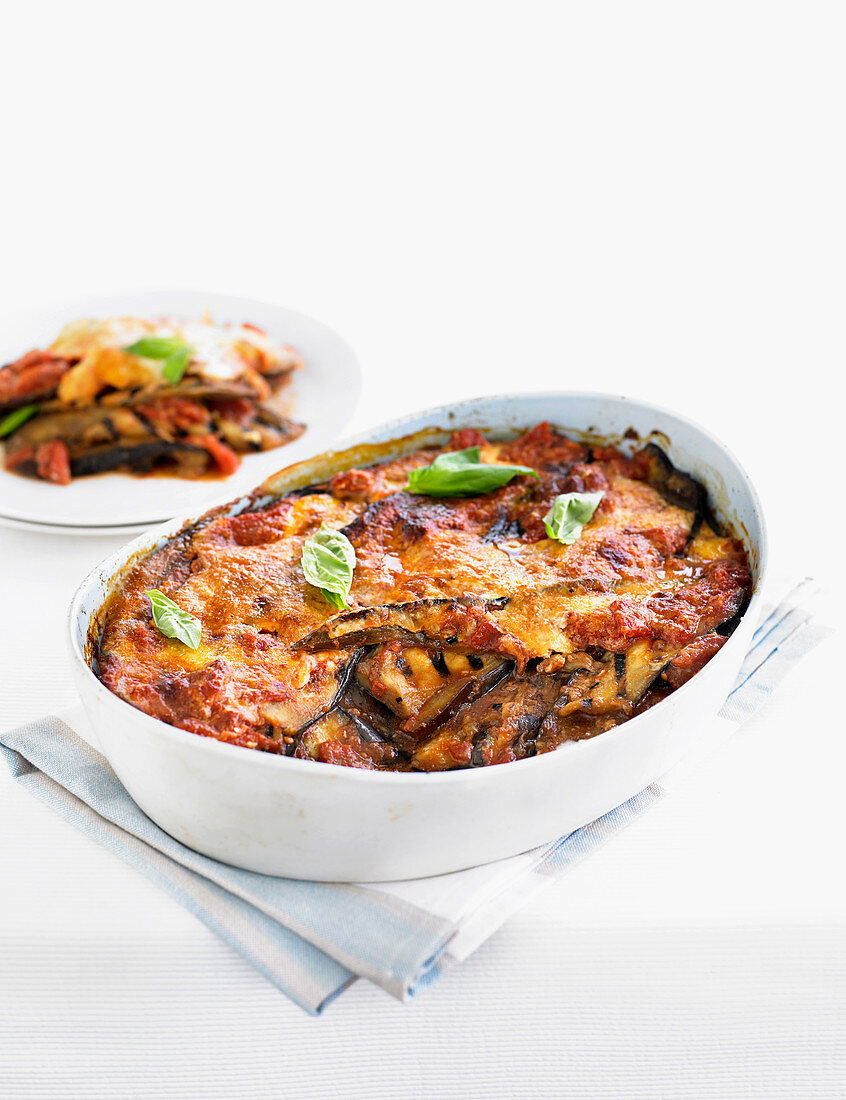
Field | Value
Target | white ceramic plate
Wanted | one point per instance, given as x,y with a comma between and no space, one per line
324,397
71,529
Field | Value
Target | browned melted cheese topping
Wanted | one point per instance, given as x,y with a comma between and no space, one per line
472,638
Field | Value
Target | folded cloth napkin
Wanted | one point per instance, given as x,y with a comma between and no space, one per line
313,939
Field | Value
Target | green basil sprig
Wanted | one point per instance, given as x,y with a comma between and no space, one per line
568,515
328,562
176,364
175,352
13,420
461,474
172,621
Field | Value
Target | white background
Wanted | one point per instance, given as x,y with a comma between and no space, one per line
638,197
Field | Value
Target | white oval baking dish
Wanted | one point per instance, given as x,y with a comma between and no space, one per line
302,819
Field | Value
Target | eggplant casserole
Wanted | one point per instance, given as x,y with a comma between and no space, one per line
456,607
182,397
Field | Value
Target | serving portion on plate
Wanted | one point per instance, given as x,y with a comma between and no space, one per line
122,411
463,605
440,606
139,394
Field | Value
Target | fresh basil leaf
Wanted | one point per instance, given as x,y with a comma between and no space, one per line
175,352
176,363
156,347
13,420
568,515
461,474
328,562
172,621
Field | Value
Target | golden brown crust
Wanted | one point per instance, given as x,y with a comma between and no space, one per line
454,602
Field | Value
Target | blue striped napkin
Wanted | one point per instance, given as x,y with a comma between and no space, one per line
313,939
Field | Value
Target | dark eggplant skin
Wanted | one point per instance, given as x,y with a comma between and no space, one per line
102,422
463,625
511,715
266,430
728,627
480,732
337,735
361,704
471,691
189,387
103,437
679,488
502,529
512,733
644,663
417,684
72,426
604,692
676,487
407,736
470,624
310,704
140,456
507,714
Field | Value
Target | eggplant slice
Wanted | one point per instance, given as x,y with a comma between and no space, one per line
483,731
466,626
313,700
123,435
534,711
679,488
674,486
266,430
339,737
528,624
140,456
490,715
417,684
